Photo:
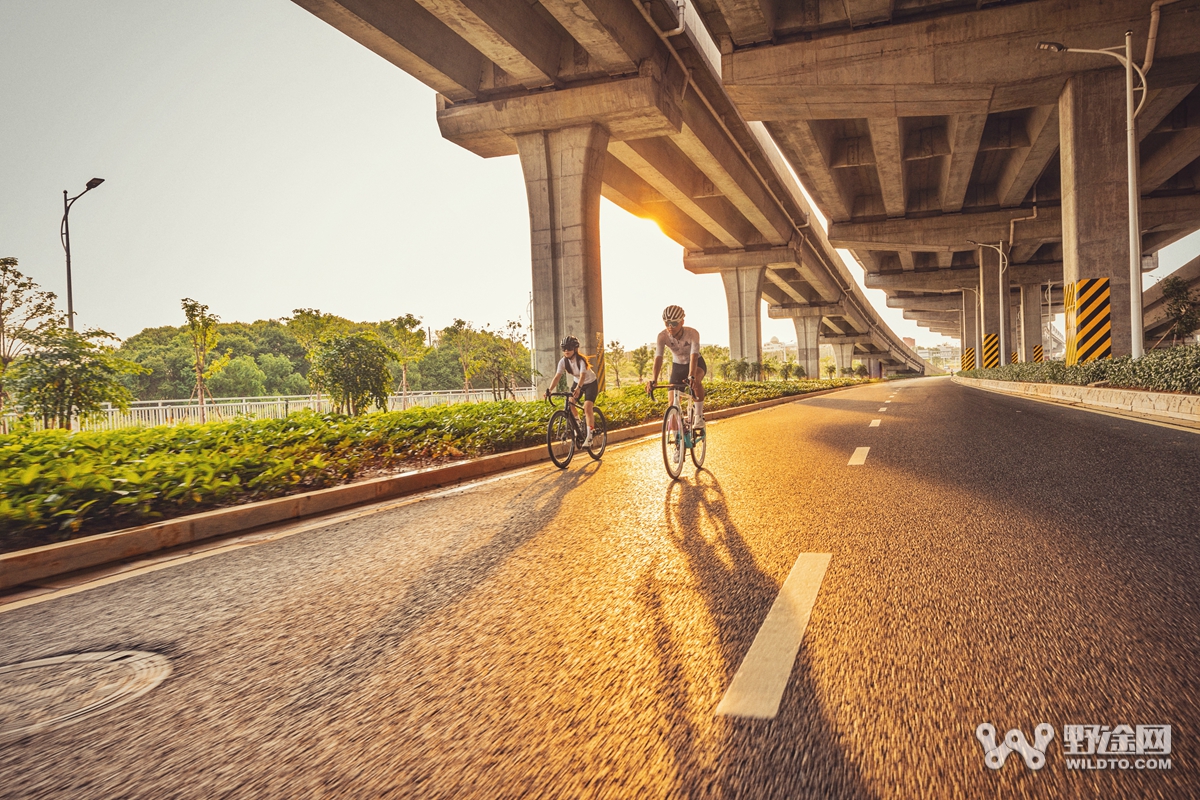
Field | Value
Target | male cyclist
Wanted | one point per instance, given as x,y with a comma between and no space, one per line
686,361
575,365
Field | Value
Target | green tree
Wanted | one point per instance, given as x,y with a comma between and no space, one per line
309,326
241,377
68,374
470,346
281,377
353,368
616,357
861,370
716,357
406,339
830,369
25,312
770,368
202,334
1181,308
640,358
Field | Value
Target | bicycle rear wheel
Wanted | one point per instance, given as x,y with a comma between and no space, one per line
560,439
699,446
599,435
672,442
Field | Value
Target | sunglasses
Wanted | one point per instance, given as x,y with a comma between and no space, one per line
674,324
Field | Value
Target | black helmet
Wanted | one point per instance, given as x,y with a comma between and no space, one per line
569,343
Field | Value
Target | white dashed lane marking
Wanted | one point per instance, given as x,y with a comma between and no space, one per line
875,423
859,457
882,410
758,685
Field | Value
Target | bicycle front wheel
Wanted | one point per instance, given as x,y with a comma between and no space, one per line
599,435
672,442
699,446
560,439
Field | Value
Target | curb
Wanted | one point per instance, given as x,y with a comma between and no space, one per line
38,563
1174,409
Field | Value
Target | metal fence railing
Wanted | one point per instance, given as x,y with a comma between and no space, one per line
148,413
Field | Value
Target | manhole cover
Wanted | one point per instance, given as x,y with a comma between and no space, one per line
51,692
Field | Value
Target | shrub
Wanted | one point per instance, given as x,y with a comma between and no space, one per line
1176,369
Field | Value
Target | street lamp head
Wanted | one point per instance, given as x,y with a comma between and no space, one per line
1052,46
94,182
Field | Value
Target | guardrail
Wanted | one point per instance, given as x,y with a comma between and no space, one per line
149,413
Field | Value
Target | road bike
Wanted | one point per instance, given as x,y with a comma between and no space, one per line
565,433
679,431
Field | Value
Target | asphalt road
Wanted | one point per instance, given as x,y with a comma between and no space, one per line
571,634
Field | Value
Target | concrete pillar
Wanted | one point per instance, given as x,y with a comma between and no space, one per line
1012,339
743,296
1031,322
995,309
875,366
1095,215
563,172
970,332
843,356
809,357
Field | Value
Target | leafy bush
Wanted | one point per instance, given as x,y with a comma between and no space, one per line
59,484
1176,369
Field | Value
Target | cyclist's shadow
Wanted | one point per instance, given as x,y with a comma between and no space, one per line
722,757
445,581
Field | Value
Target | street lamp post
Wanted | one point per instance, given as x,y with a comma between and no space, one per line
64,233
1003,295
1135,235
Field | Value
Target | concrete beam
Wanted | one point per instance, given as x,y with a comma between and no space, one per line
963,63
949,232
407,35
947,280
937,302
1180,149
785,287
811,156
631,108
887,143
513,36
613,32
658,162
749,21
703,140
777,258
805,310
1027,164
964,131
623,187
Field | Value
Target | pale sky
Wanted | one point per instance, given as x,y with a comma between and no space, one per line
258,160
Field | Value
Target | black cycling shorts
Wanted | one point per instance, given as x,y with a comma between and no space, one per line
679,372
590,390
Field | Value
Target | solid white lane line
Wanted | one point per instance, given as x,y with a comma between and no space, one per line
875,423
859,457
757,687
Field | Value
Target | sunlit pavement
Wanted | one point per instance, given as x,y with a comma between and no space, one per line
571,634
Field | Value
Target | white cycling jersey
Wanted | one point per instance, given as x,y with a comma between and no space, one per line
581,372
681,346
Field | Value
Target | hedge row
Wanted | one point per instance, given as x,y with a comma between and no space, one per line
1176,369
56,485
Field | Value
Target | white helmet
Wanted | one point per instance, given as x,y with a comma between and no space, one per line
672,314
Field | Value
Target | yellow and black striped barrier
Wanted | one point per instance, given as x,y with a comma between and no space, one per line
1038,354
991,350
1013,358
968,358
1089,320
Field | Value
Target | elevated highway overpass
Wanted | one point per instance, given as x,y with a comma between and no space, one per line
611,98
920,126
